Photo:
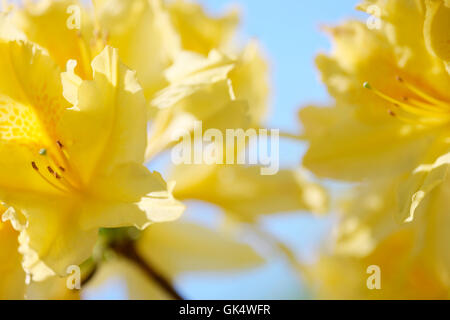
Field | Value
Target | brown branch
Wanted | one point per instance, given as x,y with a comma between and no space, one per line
128,250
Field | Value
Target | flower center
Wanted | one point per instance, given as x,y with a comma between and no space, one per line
58,172
419,108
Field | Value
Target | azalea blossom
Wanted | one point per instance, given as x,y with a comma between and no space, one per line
71,167
388,131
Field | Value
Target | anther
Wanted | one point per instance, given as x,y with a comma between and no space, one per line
399,79
62,169
60,145
35,167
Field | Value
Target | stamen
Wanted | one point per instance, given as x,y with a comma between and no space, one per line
36,168
61,161
422,94
61,179
415,111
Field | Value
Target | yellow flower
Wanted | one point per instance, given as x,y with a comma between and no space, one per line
398,125
142,32
71,168
151,37
200,32
140,29
148,34
414,259
389,128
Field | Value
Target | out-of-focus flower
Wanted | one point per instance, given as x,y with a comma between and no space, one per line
182,247
199,90
139,29
246,194
148,33
414,259
397,127
198,31
71,168
389,128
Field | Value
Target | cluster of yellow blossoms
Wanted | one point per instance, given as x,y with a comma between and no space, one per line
388,132
83,109
87,102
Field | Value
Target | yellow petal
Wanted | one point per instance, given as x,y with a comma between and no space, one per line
53,233
200,91
413,258
402,22
342,147
250,80
361,56
30,106
108,125
131,196
12,276
436,29
403,276
182,247
200,32
144,35
54,288
245,192
45,23
424,180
